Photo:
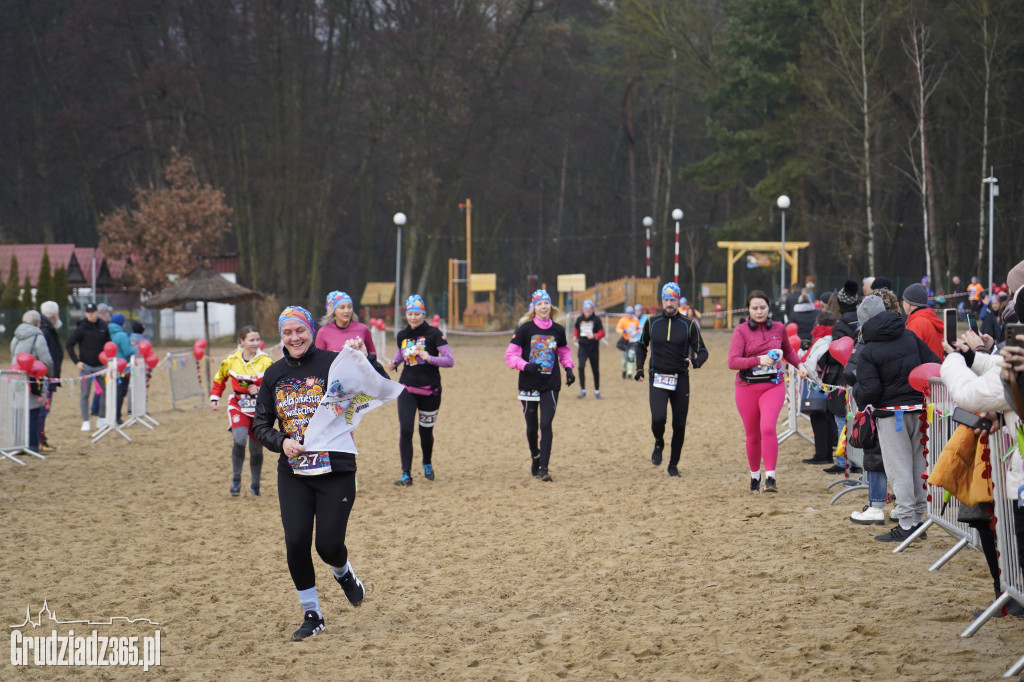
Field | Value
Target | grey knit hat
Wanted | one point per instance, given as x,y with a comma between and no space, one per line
869,307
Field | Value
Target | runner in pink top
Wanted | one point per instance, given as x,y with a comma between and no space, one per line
758,345
339,325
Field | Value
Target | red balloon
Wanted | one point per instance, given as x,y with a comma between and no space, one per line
25,361
841,349
794,341
201,343
152,361
921,374
110,348
145,347
14,367
121,364
262,344
103,357
791,329
38,369
436,319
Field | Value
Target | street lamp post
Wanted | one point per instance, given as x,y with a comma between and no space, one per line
399,221
677,215
993,192
648,221
783,203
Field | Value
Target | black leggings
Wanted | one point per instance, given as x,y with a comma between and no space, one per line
327,498
542,410
593,356
240,436
680,399
428,405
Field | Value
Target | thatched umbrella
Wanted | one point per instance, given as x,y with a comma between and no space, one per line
202,284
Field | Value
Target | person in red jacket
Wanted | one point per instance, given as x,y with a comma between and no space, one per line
921,319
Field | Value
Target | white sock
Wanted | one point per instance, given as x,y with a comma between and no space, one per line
756,475
769,474
310,601
343,571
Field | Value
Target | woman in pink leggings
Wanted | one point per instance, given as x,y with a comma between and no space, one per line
758,345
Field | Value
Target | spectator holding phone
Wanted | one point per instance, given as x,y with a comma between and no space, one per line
992,322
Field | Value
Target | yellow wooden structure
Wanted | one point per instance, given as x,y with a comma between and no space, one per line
738,249
625,291
379,296
477,315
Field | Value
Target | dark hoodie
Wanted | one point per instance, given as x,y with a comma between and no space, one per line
846,325
890,353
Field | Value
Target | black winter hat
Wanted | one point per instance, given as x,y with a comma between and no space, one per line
848,295
881,283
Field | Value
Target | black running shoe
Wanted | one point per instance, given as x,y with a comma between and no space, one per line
835,469
769,485
353,587
312,624
815,460
899,534
254,489
656,454
673,471
428,471
236,488
854,469
755,485
543,474
535,465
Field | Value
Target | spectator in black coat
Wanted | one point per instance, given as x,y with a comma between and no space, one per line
890,353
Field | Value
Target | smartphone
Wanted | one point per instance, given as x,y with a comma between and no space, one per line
949,324
972,323
1011,332
969,419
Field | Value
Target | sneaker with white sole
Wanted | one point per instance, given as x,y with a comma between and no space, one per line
86,426
311,624
597,394
869,515
353,587
755,484
769,485
583,394
893,516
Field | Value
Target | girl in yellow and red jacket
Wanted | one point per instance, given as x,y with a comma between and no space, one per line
244,369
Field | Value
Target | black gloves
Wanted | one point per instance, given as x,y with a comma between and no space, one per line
531,368
639,376
570,378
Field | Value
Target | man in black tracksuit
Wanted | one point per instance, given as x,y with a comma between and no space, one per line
676,345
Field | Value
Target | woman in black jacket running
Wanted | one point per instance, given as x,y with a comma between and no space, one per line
318,486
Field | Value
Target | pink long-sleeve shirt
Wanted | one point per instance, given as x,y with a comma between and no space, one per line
748,345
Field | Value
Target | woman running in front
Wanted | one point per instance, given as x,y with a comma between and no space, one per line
311,486
244,368
422,349
538,347
340,324
758,346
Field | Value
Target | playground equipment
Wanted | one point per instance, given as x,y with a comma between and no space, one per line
377,299
478,314
625,291
569,284
738,249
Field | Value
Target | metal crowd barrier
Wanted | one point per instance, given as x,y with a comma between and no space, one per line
793,414
380,342
110,424
1002,456
14,396
138,393
939,513
183,371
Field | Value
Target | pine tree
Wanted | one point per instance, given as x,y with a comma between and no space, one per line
44,283
11,299
27,301
59,286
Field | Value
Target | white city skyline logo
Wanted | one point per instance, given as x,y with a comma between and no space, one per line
52,615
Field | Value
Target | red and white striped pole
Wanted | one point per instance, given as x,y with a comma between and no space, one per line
677,215
648,221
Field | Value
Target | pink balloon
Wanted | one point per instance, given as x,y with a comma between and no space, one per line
920,375
152,361
38,369
14,367
103,357
262,344
121,364
201,343
145,347
794,341
791,329
841,349
25,361
110,348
